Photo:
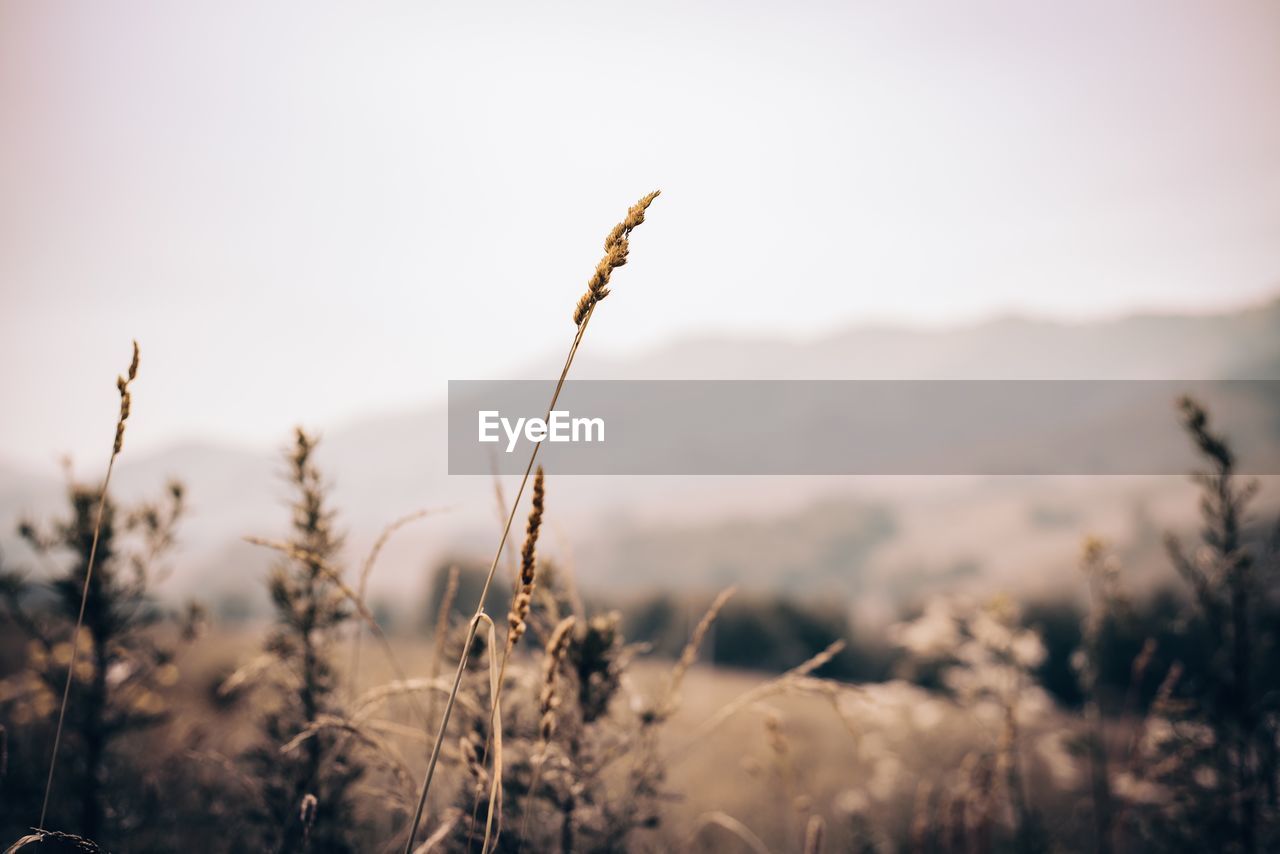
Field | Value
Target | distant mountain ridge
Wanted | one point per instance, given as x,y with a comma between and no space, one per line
388,465
1242,344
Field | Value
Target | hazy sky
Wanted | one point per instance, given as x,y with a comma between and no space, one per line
311,211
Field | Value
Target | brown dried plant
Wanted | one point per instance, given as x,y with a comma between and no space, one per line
517,624
312,606
616,250
549,700
518,618
443,614
366,570
671,699
616,247
126,401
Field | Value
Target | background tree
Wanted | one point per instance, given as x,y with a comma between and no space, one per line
122,667
310,611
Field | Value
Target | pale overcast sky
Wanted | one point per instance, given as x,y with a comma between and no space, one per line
311,211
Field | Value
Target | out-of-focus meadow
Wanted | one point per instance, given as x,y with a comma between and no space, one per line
1120,718
227,636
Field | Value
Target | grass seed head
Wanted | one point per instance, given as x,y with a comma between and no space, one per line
518,618
126,399
553,657
616,247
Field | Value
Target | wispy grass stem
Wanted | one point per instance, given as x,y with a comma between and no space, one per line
616,248
122,384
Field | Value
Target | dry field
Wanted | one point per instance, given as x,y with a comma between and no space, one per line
539,726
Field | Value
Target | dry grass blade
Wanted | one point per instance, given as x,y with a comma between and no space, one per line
518,617
366,570
365,614
766,689
230,769
493,819
582,318
553,658
814,835
246,673
548,702
29,839
393,728
307,815
566,572
689,655
126,402
442,632
364,705
441,833
730,824
381,748
48,840
500,507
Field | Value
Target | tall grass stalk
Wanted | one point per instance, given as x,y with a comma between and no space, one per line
616,248
517,624
122,385
362,588
789,680
442,632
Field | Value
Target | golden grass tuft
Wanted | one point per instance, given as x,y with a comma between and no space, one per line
126,399
616,247
518,618
671,699
549,700
552,658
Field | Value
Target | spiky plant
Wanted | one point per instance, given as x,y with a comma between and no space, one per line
580,776
1234,771
310,613
123,665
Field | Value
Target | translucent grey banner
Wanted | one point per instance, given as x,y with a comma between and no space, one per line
857,427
